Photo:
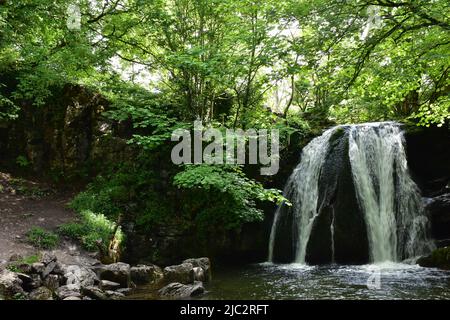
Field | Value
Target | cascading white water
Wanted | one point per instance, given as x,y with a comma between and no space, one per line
332,238
390,200
303,188
395,219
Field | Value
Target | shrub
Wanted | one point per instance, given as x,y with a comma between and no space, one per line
92,230
225,195
14,267
42,239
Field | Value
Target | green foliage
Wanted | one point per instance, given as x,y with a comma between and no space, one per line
29,260
22,161
224,194
28,188
93,231
437,113
42,239
100,199
8,109
153,120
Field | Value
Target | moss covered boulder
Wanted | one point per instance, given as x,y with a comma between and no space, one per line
439,258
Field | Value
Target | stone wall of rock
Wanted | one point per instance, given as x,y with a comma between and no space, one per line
429,161
68,135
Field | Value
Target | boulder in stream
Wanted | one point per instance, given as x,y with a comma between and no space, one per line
182,273
117,272
178,290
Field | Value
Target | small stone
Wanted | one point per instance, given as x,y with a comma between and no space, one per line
15,257
52,282
37,267
199,274
80,276
114,295
37,282
26,279
178,290
94,293
68,291
48,269
58,269
47,258
117,272
143,274
109,285
41,293
203,263
125,291
183,273
72,298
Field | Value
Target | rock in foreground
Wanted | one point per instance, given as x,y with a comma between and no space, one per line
178,290
439,258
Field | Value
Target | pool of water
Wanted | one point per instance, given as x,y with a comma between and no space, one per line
293,281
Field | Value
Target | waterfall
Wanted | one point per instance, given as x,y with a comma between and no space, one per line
333,260
303,191
389,201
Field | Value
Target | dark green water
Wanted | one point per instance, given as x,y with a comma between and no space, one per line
293,281
268,281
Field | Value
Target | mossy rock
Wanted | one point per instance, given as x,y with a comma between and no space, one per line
439,258
338,133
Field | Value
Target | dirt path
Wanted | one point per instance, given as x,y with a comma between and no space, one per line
31,207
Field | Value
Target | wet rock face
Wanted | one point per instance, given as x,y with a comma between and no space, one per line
438,209
439,258
338,206
66,135
428,151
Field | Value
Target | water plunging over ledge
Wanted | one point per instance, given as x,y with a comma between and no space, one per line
353,201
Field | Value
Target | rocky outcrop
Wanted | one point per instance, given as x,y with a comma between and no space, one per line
428,151
69,134
438,209
109,285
